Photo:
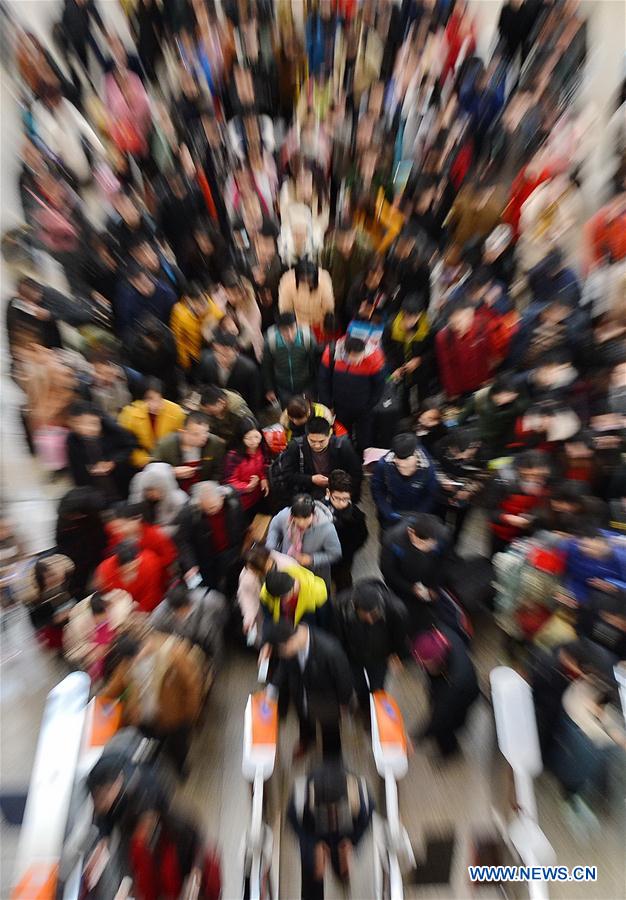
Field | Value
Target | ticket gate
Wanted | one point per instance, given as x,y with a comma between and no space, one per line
394,854
516,729
73,733
259,756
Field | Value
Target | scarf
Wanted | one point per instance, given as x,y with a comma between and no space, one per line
295,539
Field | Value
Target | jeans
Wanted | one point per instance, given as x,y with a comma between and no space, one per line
376,674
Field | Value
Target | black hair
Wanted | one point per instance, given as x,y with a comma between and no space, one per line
152,384
531,459
126,552
211,395
225,339
97,604
278,633
556,357
81,501
318,425
305,270
339,480
298,406
83,408
257,557
426,526
303,506
178,595
285,320
354,345
503,384
196,417
106,771
123,648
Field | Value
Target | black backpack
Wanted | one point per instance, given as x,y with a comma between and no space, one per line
281,478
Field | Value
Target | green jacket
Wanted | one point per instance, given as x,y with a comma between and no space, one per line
211,467
345,272
312,595
289,368
228,427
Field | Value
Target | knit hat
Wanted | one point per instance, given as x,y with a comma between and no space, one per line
431,647
404,445
278,583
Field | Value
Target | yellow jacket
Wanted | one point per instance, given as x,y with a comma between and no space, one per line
187,329
312,593
135,418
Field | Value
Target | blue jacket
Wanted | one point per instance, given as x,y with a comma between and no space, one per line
396,496
580,568
131,306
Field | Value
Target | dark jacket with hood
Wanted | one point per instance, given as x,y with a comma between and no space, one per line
403,566
366,644
495,424
395,495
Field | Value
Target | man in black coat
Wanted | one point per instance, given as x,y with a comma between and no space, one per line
27,311
452,682
315,671
308,464
99,451
350,525
210,533
372,626
225,366
414,560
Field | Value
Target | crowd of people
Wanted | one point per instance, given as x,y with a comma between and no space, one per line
304,254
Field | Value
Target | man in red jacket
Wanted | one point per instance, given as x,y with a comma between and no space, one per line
134,570
464,353
127,524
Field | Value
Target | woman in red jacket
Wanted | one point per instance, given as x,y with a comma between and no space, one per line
246,468
464,353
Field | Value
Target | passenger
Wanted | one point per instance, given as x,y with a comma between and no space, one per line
226,366
294,594
330,811
404,481
210,535
414,562
156,489
127,524
226,411
150,419
193,452
257,562
131,569
290,358
453,686
372,626
99,452
350,524
199,616
297,414
305,531
314,668
351,381
307,465
246,467
159,683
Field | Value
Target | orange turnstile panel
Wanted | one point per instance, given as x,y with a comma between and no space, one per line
264,719
39,882
104,721
389,719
